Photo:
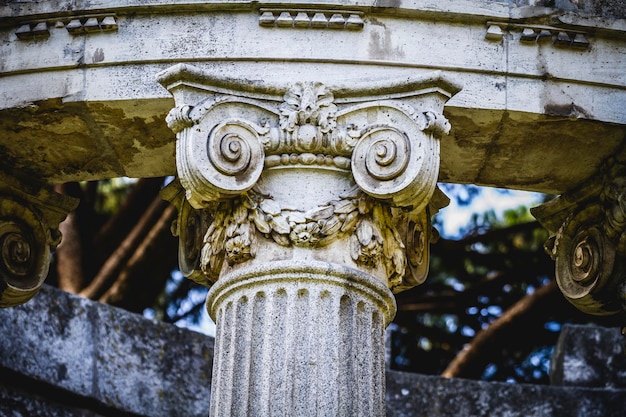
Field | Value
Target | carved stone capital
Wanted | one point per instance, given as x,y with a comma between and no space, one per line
29,220
345,173
588,241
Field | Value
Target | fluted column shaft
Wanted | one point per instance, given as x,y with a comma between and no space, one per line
299,339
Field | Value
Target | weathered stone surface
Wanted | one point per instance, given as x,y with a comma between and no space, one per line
18,403
21,396
307,205
29,218
587,227
346,174
117,358
528,112
589,356
412,395
299,339
41,361
605,8
544,89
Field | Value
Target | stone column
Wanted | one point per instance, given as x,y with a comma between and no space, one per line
29,218
299,338
304,207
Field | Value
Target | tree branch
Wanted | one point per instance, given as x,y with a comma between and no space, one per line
114,264
470,362
137,285
112,233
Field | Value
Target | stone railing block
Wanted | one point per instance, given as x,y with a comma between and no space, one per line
412,395
589,356
116,358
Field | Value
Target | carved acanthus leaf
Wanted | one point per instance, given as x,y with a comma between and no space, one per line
307,104
307,130
371,226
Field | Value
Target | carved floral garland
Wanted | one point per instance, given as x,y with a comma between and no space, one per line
373,237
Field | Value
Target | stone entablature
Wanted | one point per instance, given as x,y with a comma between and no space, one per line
100,83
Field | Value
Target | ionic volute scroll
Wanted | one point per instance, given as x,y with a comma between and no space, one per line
399,163
189,227
588,241
219,160
29,221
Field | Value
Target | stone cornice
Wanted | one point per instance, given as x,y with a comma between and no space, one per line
463,7
352,91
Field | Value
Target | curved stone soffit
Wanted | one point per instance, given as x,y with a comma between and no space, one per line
384,136
29,220
588,241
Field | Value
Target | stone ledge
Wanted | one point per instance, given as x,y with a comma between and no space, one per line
412,395
589,356
16,403
114,357
62,355
515,9
21,396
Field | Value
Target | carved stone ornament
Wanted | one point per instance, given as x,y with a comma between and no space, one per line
380,145
378,233
29,219
588,241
